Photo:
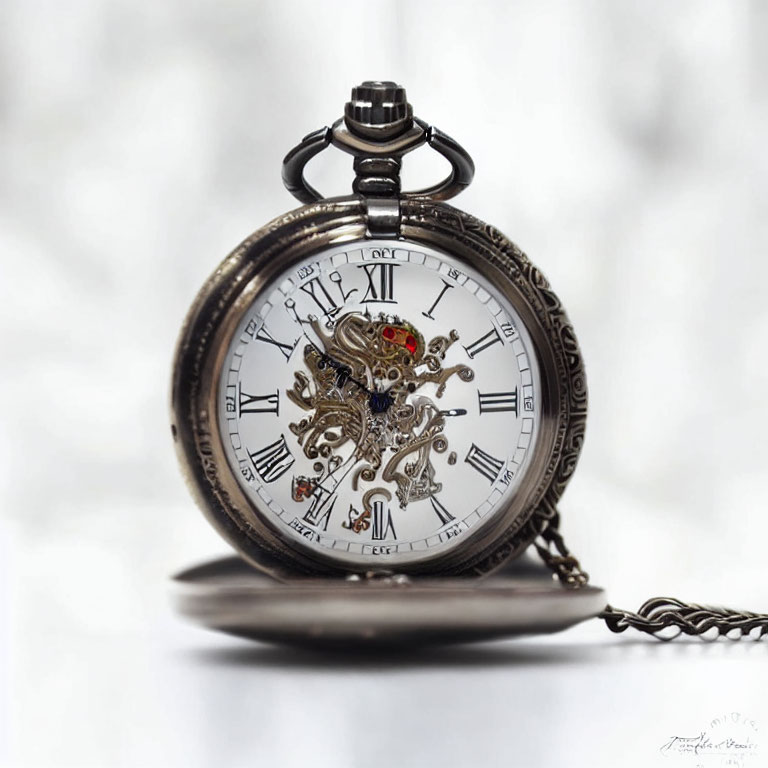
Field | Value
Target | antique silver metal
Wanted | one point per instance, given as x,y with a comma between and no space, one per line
378,110
378,129
382,217
359,614
411,606
667,618
273,249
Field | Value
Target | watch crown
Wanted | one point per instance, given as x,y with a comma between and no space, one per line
378,109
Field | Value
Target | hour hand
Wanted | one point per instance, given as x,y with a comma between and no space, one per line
454,412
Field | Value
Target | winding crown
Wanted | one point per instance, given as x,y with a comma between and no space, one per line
378,110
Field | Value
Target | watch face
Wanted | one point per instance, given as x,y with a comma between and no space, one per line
379,404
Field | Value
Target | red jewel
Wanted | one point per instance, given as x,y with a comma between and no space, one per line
410,342
388,332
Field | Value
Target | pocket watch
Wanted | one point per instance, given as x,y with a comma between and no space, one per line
380,386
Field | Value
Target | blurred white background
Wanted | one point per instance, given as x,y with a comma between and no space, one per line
621,145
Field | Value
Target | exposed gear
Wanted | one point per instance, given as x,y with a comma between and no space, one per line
362,387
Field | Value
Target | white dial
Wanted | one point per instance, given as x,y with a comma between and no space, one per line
380,403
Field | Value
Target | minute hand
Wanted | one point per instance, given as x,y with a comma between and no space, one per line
343,370
343,374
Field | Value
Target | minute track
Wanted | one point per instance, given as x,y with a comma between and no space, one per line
402,293
370,277
333,416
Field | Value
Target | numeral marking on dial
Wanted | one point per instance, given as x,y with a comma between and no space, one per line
273,461
490,338
484,463
428,313
322,298
444,515
509,330
494,402
380,283
264,335
257,403
381,521
336,278
320,510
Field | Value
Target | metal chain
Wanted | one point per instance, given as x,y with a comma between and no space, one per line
655,615
551,547
659,613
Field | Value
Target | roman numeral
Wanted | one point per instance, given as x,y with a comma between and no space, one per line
490,338
493,402
484,463
382,522
322,298
257,403
336,278
264,335
320,510
428,313
380,282
444,515
273,461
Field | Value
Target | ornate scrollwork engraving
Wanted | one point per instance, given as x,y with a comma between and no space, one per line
491,246
361,388
262,257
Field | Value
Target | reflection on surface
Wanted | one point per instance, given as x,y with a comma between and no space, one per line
483,655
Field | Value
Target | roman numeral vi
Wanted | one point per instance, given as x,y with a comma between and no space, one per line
381,525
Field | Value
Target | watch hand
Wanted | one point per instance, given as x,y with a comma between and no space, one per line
343,374
454,412
379,402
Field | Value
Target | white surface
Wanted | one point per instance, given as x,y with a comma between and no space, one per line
621,145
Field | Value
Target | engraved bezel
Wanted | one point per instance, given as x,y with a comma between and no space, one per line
270,252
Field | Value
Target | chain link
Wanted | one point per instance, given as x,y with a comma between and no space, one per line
553,551
659,613
558,558
656,615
